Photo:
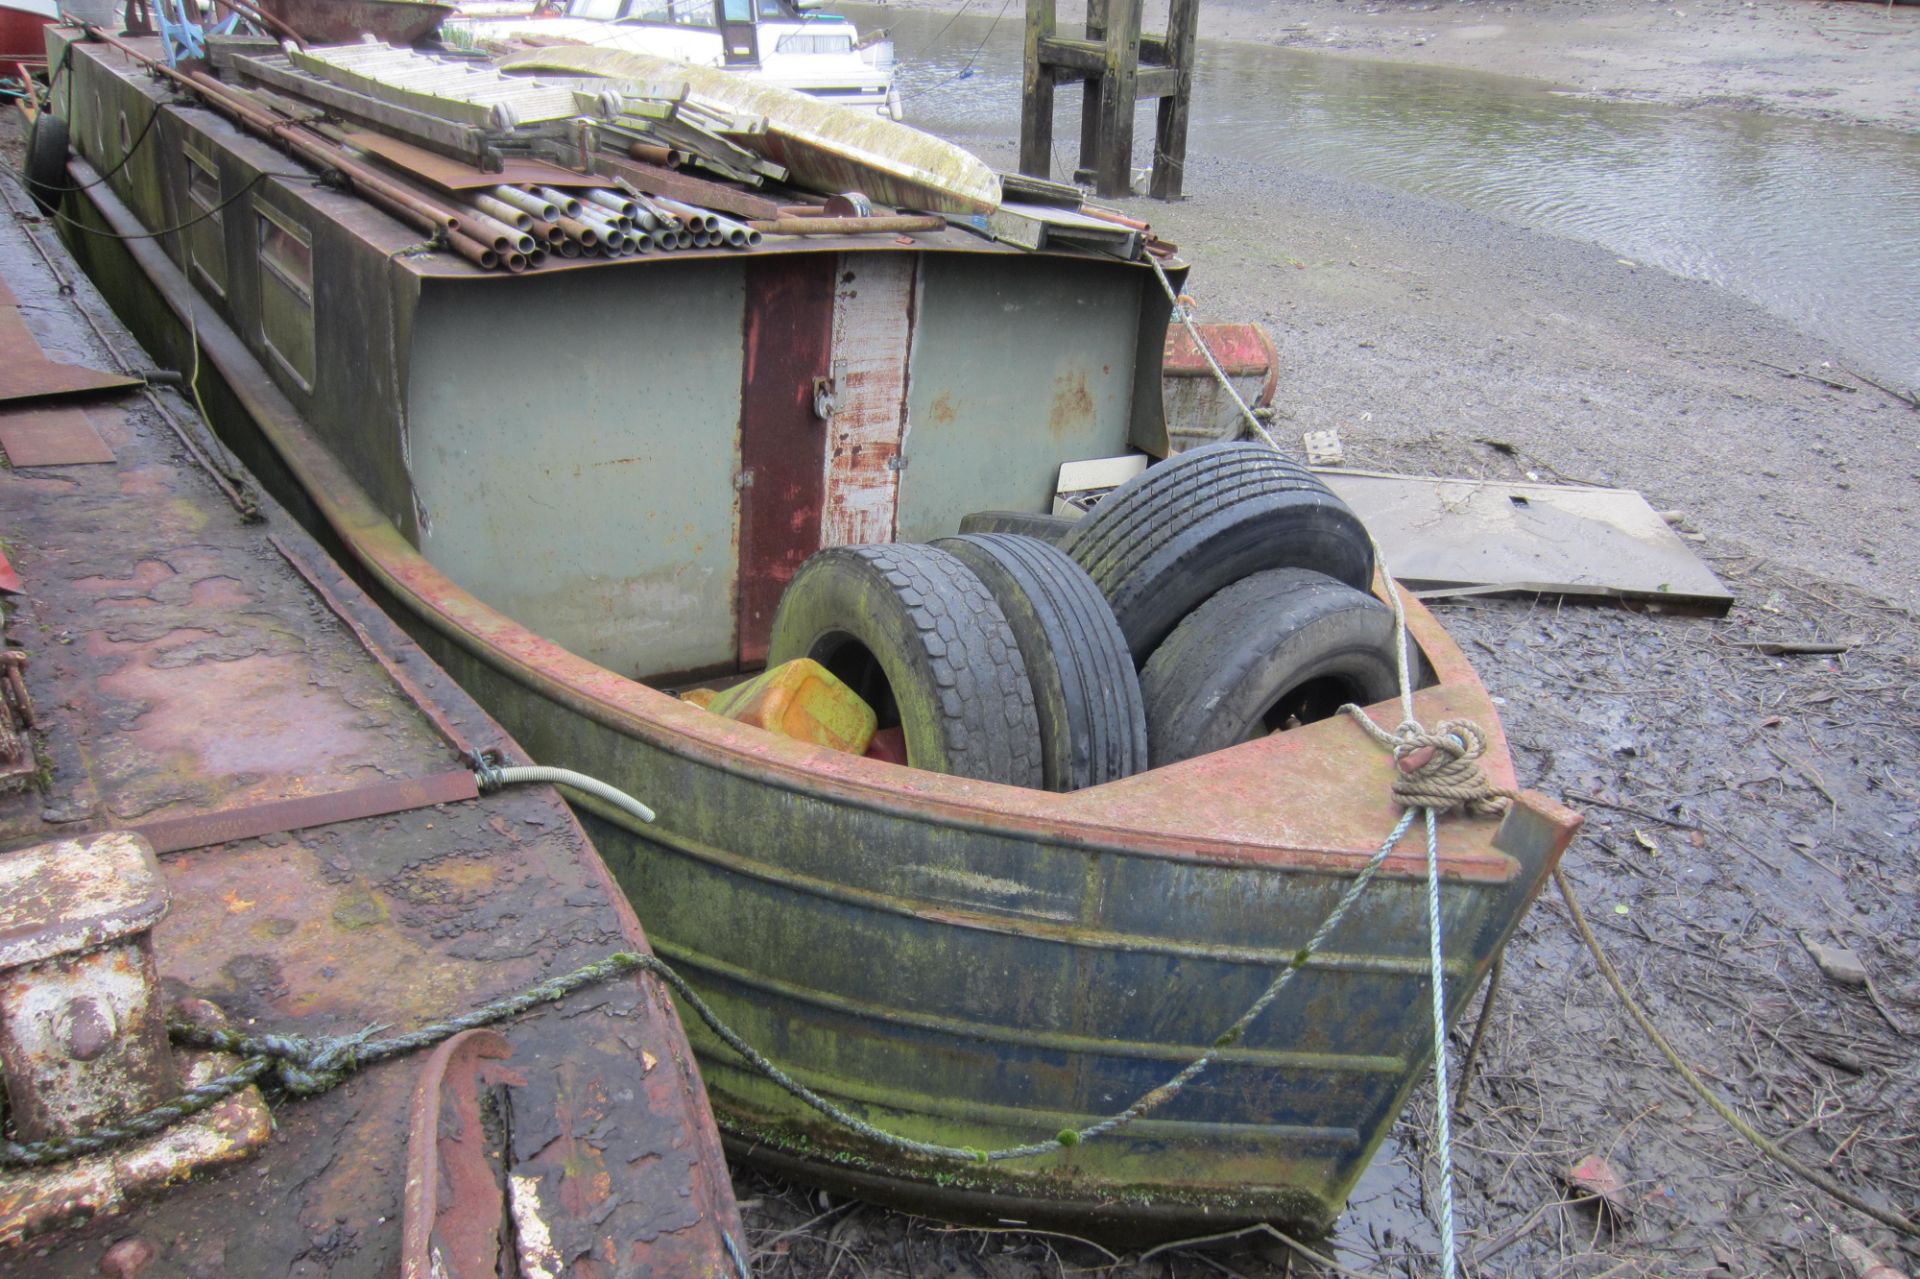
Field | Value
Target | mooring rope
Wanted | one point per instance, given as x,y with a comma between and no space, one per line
1437,771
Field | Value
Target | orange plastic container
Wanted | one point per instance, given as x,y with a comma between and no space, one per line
800,699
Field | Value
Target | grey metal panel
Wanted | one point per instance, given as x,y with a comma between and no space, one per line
1018,365
588,494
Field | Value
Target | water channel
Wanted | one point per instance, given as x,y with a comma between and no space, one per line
1817,223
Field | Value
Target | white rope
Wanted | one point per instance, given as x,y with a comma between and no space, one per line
1449,1263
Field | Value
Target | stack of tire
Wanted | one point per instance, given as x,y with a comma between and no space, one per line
1211,599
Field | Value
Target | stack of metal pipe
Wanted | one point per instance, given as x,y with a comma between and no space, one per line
534,221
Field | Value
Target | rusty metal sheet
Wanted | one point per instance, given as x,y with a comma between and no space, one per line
316,574
25,371
51,437
177,834
453,175
202,674
782,444
872,337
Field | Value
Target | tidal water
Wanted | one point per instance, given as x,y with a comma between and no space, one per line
1818,223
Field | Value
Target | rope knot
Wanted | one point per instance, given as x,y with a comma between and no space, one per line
306,1067
1439,768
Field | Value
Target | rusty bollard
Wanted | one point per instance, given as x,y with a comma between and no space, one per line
83,1034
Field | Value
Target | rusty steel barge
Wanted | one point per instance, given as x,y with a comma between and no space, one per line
582,485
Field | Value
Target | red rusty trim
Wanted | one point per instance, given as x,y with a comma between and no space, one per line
1244,350
455,1208
177,834
789,330
415,694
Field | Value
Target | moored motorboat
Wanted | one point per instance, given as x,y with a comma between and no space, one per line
587,484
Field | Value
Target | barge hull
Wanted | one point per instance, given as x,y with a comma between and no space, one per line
967,963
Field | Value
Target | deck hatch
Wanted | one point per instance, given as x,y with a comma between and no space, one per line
286,291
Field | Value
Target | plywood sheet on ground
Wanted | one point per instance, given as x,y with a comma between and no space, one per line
1560,539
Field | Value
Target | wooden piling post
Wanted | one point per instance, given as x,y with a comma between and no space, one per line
1170,132
1036,94
1116,66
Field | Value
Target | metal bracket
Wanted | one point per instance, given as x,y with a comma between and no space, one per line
826,392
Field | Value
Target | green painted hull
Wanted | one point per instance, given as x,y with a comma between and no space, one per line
955,961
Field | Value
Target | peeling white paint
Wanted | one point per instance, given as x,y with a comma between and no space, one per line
534,1241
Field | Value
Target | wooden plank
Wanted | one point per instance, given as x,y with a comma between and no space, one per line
1156,82
51,437
1036,95
1080,55
461,141
457,175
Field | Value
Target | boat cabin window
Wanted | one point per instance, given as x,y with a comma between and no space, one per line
206,235
679,13
286,291
815,42
737,10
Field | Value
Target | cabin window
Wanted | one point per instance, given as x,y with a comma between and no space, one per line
681,13
206,234
286,292
738,10
815,42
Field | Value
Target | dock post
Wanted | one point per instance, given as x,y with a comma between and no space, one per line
1116,66
1170,131
1036,94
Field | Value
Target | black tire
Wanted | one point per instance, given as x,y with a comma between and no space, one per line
912,630
1164,541
1280,646
1051,529
46,161
1093,726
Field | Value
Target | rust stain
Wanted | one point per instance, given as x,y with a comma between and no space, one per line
219,592
1071,408
941,411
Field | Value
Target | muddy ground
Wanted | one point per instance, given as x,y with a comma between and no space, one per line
1740,803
